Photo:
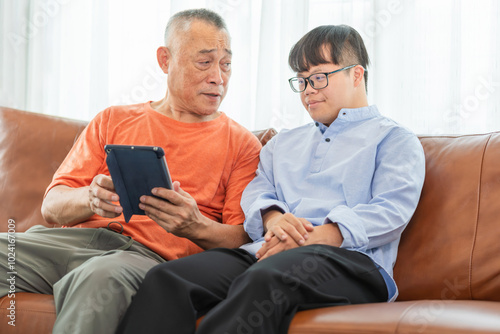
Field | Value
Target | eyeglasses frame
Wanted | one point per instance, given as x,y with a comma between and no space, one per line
307,79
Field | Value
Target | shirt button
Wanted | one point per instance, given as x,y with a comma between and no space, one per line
327,140
317,124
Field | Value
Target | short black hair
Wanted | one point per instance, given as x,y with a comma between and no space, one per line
184,18
344,43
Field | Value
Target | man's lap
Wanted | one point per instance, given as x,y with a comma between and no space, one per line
216,267
45,255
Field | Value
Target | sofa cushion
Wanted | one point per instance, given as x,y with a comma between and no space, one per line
37,312
426,316
34,313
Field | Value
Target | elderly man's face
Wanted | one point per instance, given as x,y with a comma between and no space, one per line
199,69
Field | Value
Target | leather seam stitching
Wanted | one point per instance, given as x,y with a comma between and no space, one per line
476,227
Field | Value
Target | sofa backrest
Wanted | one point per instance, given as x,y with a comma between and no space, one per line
32,146
451,248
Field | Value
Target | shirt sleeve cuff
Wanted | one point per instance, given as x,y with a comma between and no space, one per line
351,228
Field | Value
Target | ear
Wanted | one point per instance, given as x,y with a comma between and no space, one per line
163,55
359,75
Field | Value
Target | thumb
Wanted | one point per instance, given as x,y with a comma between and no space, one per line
307,225
269,234
176,185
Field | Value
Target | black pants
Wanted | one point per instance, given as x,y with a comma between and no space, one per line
239,295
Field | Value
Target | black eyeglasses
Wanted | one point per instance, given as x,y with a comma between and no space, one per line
316,80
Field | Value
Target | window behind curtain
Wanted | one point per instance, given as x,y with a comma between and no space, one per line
435,64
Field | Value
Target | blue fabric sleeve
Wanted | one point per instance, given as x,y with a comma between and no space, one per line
260,194
396,185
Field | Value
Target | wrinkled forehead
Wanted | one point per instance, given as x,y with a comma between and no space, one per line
201,35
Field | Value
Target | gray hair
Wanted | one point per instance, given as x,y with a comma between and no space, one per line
181,21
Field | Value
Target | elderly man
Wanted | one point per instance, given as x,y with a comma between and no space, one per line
95,267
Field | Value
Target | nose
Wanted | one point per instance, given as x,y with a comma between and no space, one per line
309,88
216,75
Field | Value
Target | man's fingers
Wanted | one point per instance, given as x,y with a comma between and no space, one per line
276,231
104,194
176,186
307,225
103,188
295,222
106,214
105,182
106,206
295,229
275,246
266,247
269,234
105,209
167,194
289,225
101,196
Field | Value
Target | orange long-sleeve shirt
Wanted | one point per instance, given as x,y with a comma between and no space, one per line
213,161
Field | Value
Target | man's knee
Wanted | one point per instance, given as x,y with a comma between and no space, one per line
100,283
259,276
102,275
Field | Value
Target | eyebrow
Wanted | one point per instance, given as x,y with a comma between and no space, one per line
320,70
205,51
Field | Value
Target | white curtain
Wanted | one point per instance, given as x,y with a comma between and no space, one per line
435,64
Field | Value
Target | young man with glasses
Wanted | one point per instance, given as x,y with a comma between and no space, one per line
326,211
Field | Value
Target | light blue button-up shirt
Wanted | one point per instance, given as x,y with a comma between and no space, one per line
364,172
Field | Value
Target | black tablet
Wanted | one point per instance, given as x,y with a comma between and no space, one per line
135,171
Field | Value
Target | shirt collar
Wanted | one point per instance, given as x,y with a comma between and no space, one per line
358,114
352,115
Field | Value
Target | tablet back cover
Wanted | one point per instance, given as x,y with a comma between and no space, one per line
135,172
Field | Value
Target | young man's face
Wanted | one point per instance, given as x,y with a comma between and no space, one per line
324,104
199,69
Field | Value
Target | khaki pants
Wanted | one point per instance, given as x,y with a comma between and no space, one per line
92,273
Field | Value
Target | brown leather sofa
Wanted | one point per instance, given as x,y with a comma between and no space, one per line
448,268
